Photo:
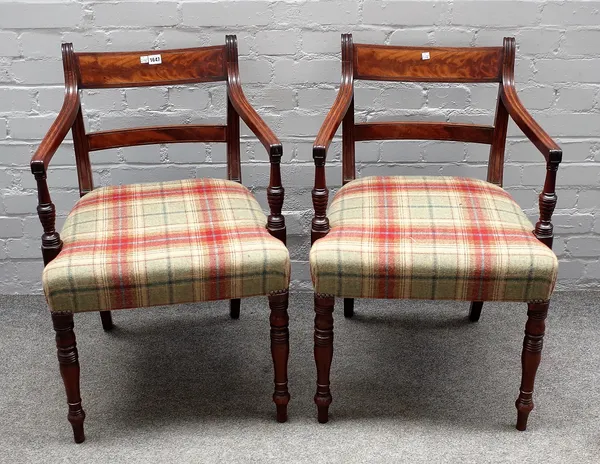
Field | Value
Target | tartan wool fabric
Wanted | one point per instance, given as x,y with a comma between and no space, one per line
432,237
164,243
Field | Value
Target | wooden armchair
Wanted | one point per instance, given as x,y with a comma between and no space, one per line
430,237
166,242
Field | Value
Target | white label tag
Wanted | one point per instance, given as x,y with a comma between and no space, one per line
144,59
425,56
154,59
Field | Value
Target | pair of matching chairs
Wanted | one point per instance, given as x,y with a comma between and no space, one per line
163,243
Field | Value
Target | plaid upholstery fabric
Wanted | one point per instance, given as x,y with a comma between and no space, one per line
163,243
430,238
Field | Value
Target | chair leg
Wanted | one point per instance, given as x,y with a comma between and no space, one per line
68,360
530,359
280,349
323,353
475,310
348,307
106,318
234,308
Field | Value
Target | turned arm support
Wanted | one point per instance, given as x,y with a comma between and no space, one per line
332,122
275,191
551,152
51,242
320,192
544,143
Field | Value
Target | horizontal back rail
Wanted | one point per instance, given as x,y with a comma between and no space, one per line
427,64
423,131
156,67
157,134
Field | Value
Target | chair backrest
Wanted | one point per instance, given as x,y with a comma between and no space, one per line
427,64
152,68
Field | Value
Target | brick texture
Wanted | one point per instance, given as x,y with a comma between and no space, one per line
290,68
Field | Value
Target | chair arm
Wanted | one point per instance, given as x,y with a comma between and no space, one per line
51,242
275,191
244,108
544,230
332,121
256,124
529,126
320,192
55,135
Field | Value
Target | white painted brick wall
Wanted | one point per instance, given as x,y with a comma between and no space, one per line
290,67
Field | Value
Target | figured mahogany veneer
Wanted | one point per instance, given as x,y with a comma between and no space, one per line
128,69
430,64
407,64
151,135
122,69
423,131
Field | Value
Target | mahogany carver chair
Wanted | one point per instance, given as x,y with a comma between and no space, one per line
165,242
430,237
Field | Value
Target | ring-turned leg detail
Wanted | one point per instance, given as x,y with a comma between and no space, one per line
68,360
530,359
323,353
280,349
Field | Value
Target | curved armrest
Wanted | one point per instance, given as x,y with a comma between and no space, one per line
548,147
242,105
253,120
333,120
55,135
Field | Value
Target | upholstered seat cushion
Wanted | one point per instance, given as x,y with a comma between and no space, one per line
162,243
430,238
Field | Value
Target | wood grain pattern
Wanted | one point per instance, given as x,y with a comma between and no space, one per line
423,131
104,70
124,69
157,134
406,64
491,64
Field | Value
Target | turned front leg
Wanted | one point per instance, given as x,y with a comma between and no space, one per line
323,353
530,359
280,349
68,360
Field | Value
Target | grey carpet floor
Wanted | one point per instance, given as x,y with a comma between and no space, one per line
412,382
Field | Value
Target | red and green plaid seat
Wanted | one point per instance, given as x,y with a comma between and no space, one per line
430,238
163,243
